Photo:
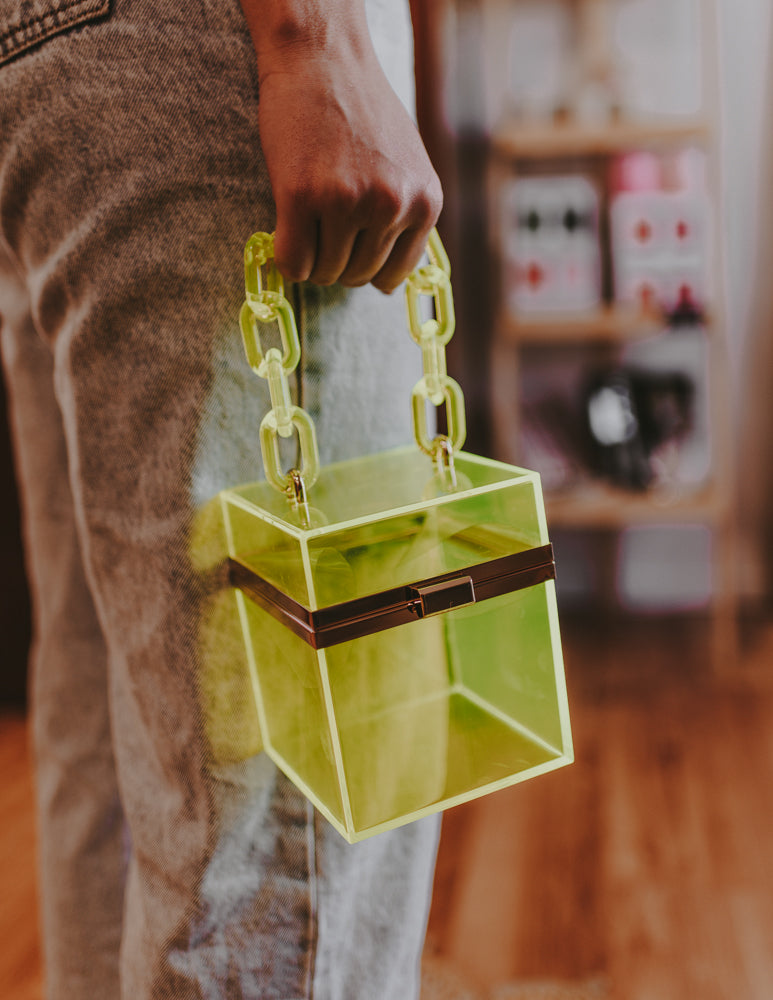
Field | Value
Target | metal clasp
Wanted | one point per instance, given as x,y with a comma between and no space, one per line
445,596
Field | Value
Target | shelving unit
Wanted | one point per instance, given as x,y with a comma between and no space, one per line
596,505
565,139
611,323
566,145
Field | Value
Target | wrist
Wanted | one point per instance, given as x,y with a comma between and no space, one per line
287,30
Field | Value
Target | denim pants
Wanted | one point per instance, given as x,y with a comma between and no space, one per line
176,861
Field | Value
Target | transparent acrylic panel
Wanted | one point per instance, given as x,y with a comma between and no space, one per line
389,695
413,546
505,660
368,487
383,521
267,546
293,709
442,711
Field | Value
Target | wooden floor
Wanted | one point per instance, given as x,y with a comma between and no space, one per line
648,864
20,965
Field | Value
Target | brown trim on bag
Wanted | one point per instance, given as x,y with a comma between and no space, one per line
59,16
400,605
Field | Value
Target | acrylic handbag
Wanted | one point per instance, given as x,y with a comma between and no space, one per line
398,610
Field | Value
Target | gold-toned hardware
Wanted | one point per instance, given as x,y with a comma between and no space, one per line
440,597
296,491
296,488
443,456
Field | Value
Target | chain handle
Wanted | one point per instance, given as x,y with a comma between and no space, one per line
265,303
432,335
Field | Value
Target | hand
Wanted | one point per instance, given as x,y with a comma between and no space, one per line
355,192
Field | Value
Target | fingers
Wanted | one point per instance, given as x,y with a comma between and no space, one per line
406,254
370,252
337,236
355,243
355,191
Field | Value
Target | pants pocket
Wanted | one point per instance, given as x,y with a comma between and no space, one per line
25,23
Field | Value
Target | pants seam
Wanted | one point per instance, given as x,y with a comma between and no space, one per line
311,847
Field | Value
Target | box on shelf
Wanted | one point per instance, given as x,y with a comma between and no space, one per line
551,244
659,236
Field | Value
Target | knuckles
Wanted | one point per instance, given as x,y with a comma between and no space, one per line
386,203
431,202
382,201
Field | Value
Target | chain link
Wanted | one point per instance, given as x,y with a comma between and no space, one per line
432,335
266,304
259,254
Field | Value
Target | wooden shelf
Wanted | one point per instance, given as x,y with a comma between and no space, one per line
517,141
598,505
612,323
521,148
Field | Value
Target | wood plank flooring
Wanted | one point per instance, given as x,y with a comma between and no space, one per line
648,863
20,961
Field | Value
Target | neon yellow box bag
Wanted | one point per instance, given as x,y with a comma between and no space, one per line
398,610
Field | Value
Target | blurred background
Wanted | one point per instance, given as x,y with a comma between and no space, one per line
608,172
608,176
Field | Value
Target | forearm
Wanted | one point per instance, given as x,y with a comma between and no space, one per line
354,189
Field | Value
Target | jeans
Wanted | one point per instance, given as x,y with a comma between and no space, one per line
176,861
